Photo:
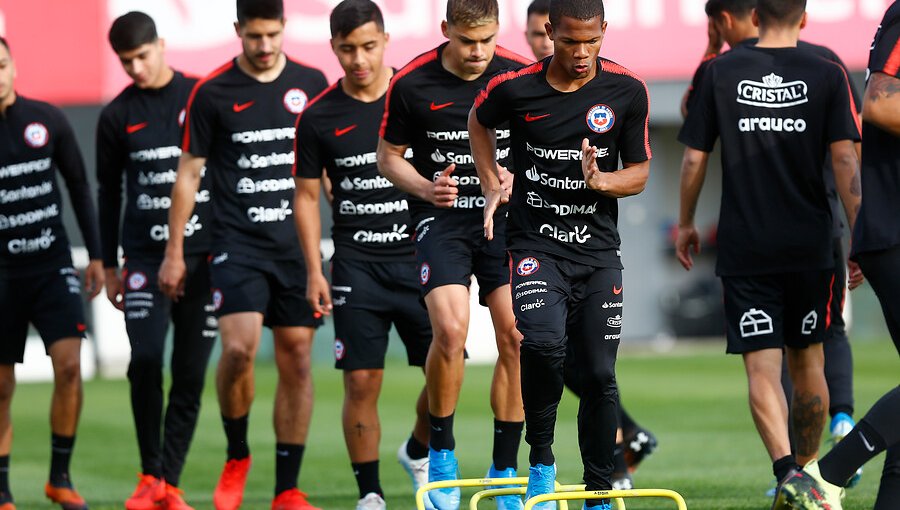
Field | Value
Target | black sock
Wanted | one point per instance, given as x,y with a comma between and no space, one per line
541,456
61,448
591,503
620,467
507,436
4,479
441,433
833,411
782,466
287,466
415,449
236,435
626,421
366,474
860,445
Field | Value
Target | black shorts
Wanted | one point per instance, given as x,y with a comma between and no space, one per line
449,252
778,310
50,300
368,297
274,288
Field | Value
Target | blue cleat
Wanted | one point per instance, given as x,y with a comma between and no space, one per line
442,465
602,506
841,425
511,502
541,480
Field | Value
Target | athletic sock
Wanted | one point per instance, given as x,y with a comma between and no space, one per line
626,421
860,445
541,455
782,467
507,436
415,449
288,458
61,448
620,467
366,474
835,410
441,433
236,435
4,479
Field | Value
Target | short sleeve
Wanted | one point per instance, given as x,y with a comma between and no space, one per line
701,127
885,55
843,122
492,103
309,162
200,123
634,145
696,80
396,125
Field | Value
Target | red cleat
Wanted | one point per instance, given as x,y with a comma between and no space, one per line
230,489
148,495
174,501
292,499
66,497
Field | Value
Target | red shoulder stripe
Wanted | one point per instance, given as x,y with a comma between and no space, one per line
511,55
892,65
186,141
853,113
504,77
297,124
612,67
414,64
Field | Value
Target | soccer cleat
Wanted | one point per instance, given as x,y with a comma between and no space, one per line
148,495
371,501
541,480
6,501
841,425
778,500
417,469
65,497
292,499
602,506
442,465
622,482
807,490
510,502
230,489
639,444
174,501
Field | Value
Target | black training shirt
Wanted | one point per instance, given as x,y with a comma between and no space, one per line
878,223
371,217
36,141
777,111
551,209
427,108
245,129
138,135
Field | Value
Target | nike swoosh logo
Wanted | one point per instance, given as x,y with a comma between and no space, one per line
531,118
134,128
435,107
238,108
617,291
342,132
866,443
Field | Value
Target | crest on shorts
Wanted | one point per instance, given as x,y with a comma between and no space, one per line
527,266
425,273
217,299
295,100
600,118
137,280
339,349
36,135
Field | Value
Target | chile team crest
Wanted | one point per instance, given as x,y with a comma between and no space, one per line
600,118
137,280
36,135
527,266
425,273
295,101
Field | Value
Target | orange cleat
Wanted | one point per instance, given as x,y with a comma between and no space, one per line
174,501
6,501
292,499
66,497
230,489
148,495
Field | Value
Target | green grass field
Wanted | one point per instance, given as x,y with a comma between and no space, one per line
693,399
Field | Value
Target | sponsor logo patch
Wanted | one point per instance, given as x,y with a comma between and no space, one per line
755,322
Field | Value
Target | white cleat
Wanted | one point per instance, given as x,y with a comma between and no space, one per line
371,501
417,469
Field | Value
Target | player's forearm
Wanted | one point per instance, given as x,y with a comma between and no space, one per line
309,225
881,104
845,161
693,173
184,193
626,182
395,168
483,143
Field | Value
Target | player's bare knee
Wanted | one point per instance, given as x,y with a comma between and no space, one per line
67,372
360,385
236,358
7,386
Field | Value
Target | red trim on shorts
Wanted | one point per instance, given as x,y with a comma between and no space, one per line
612,67
504,77
186,141
297,124
414,64
892,65
830,299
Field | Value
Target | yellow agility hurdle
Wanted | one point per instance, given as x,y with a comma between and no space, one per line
491,493
474,482
611,494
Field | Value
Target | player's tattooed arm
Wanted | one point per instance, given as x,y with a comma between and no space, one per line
693,173
881,104
845,161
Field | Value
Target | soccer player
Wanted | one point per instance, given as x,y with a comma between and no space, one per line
373,269
876,246
426,108
573,116
240,124
138,136
730,21
38,284
633,442
778,109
